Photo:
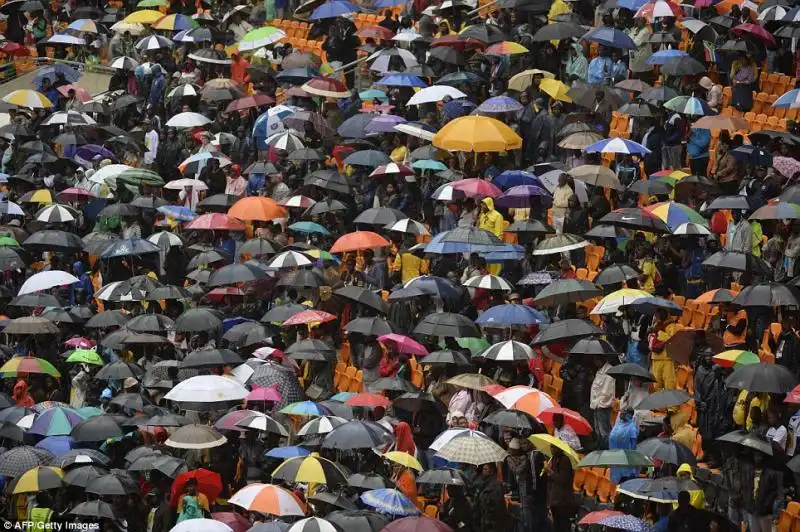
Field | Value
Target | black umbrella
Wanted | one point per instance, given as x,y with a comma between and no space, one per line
762,378
558,31
592,346
394,384
358,521
168,292
658,95
379,216
667,450
146,323
739,262
119,370
98,510
36,300
651,188
683,66
446,357
235,273
767,295
259,246
81,476
564,329
282,313
735,202
603,231
337,501
447,324
53,240
750,440
310,345
197,320
260,334
363,296
635,218
80,457
565,291
663,399
96,429
487,33
631,369
416,401
211,358
216,203
514,419
131,401
530,227
590,96
368,481
357,435
107,318
111,484
327,180
238,332
119,209
447,54
639,110
370,326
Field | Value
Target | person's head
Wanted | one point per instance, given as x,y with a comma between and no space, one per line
684,472
562,179
514,298
489,470
773,417
190,487
564,265
558,421
756,415
684,500
758,458
390,189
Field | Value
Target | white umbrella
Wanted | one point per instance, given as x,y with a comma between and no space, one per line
188,119
165,239
56,214
435,93
180,184
690,228
207,389
447,192
65,38
154,42
46,281
410,128
185,89
70,118
408,226
11,208
489,282
550,182
133,29
201,525
124,63
286,141
289,259
108,174
380,60
264,423
407,36
204,156
314,524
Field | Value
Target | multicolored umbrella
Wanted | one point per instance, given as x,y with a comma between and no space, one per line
305,408
675,214
18,366
175,22
268,499
688,105
389,501
310,469
736,358
57,421
28,98
40,478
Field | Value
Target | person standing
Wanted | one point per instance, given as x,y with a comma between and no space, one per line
760,489
521,473
561,195
661,365
560,499
490,496
640,34
603,388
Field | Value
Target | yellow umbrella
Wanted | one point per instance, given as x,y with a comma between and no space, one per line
312,468
546,442
143,16
38,479
556,89
523,80
28,98
404,459
42,196
477,134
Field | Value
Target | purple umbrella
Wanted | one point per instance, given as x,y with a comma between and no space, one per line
520,196
87,152
57,445
500,104
229,420
384,124
456,108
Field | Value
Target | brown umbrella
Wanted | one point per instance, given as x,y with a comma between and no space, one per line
31,325
729,123
578,141
301,59
679,347
195,437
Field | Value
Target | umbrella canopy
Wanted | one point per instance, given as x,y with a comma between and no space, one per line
268,499
762,378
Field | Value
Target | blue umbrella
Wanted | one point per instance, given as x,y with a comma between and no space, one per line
230,323
265,126
401,79
438,246
372,158
515,178
456,108
789,100
287,452
435,286
428,164
616,145
308,227
390,3
633,5
333,9
511,315
57,445
355,126
373,94
88,151
626,522
296,75
610,37
500,104
389,501
177,212
504,253
662,56
50,72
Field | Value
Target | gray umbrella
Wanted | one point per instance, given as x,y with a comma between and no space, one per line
96,429
197,320
18,460
283,379
82,476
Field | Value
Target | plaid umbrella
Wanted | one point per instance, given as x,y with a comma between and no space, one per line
626,522
471,449
79,456
389,501
283,379
21,459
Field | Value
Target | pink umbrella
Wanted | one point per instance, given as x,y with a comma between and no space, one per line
264,393
229,420
79,342
786,166
74,194
403,344
265,352
477,188
237,522
216,221
80,93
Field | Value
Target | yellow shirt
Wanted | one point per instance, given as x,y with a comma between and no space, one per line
648,268
409,266
398,154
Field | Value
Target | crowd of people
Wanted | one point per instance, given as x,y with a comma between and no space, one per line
401,266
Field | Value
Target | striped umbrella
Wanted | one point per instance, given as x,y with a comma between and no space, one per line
689,105
310,469
508,351
675,214
488,282
616,145
175,22
56,214
40,478
389,501
268,499
286,141
28,98
321,425
57,421
620,298
735,358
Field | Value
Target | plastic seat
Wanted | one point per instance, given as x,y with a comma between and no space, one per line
679,300
347,378
431,511
590,484
338,372
605,490
727,95
762,80
698,319
793,509
783,124
357,384
578,479
785,522
772,122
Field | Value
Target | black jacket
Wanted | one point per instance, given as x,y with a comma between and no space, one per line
761,501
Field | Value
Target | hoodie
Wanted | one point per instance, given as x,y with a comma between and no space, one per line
21,395
696,497
492,220
84,284
157,88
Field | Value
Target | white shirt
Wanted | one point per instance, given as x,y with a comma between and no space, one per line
778,435
603,389
567,435
151,141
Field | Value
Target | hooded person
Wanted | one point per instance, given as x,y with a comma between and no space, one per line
83,289
21,395
696,497
491,220
577,68
157,87
624,435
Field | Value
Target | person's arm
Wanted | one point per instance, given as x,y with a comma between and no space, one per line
738,328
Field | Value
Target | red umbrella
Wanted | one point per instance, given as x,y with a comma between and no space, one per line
475,187
793,397
216,222
327,87
309,316
16,49
358,240
375,32
218,294
571,418
459,43
237,522
403,344
369,400
593,518
80,93
754,30
256,100
208,483
392,169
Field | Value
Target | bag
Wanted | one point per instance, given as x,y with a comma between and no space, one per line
317,393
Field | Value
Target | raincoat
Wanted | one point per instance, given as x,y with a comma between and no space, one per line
577,65
492,221
696,497
21,395
84,284
623,436
190,510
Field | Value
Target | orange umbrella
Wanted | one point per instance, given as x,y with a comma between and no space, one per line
725,7
729,123
358,240
720,295
257,208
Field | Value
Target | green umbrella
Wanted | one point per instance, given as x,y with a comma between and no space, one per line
140,176
8,242
86,356
90,411
153,3
428,164
615,458
475,345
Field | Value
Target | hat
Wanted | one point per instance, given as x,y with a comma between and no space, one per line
706,83
105,162
15,223
106,395
130,382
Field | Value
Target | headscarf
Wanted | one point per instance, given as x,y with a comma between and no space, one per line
191,510
403,438
21,394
